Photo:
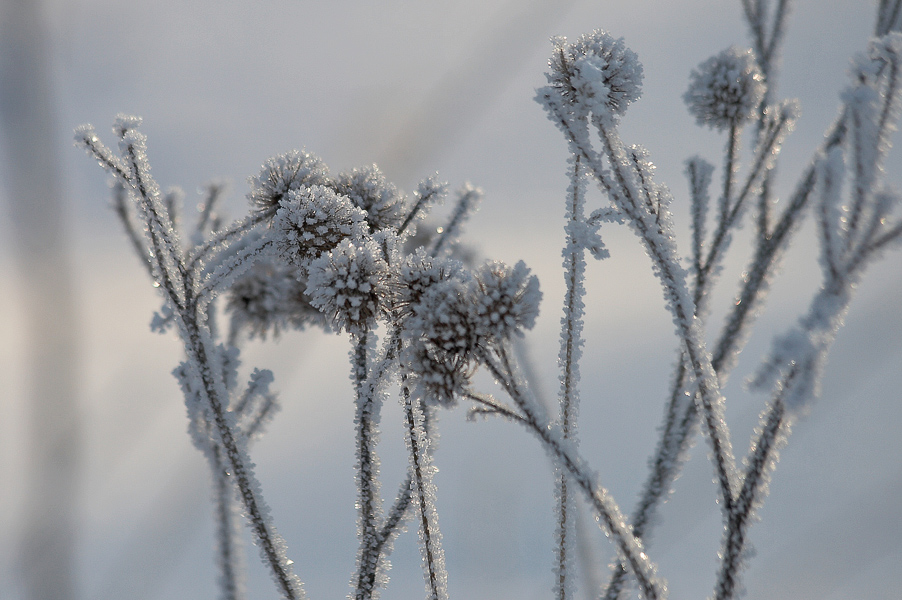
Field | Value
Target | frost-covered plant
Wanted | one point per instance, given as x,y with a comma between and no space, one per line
728,92
343,251
726,89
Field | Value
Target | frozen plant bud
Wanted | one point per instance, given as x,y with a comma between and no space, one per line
312,221
444,317
438,377
417,273
282,174
726,89
507,299
350,285
270,298
368,189
597,71
441,336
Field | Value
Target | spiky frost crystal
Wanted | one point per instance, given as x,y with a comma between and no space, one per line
350,285
597,72
282,174
312,221
726,89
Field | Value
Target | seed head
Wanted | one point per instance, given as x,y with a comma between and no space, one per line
311,221
350,285
597,72
726,89
270,298
507,299
367,188
282,174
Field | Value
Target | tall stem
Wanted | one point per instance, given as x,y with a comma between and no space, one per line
571,350
367,470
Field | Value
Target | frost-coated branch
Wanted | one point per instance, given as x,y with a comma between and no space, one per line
569,357
369,509
229,555
671,275
611,519
436,576
175,281
468,198
771,435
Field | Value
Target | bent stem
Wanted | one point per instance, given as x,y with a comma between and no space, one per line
610,517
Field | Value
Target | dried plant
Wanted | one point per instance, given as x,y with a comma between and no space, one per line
340,252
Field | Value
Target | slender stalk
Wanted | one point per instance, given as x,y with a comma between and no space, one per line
421,467
228,550
178,286
683,308
610,517
760,460
367,481
731,165
271,544
571,342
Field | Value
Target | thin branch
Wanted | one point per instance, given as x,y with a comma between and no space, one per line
421,466
367,469
611,519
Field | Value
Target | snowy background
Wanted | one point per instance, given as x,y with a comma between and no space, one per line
420,87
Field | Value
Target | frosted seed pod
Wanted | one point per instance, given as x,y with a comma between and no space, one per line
270,298
282,174
367,188
597,71
313,221
507,299
350,285
726,89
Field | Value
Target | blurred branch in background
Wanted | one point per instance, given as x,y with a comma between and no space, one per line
33,188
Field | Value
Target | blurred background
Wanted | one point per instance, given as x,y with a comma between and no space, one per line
103,496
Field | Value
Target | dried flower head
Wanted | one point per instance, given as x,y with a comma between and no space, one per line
350,285
417,273
270,298
282,174
444,316
367,188
726,89
312,221
507,299
597,71
436,376
441,334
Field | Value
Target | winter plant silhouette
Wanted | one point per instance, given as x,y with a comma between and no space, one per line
339,252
